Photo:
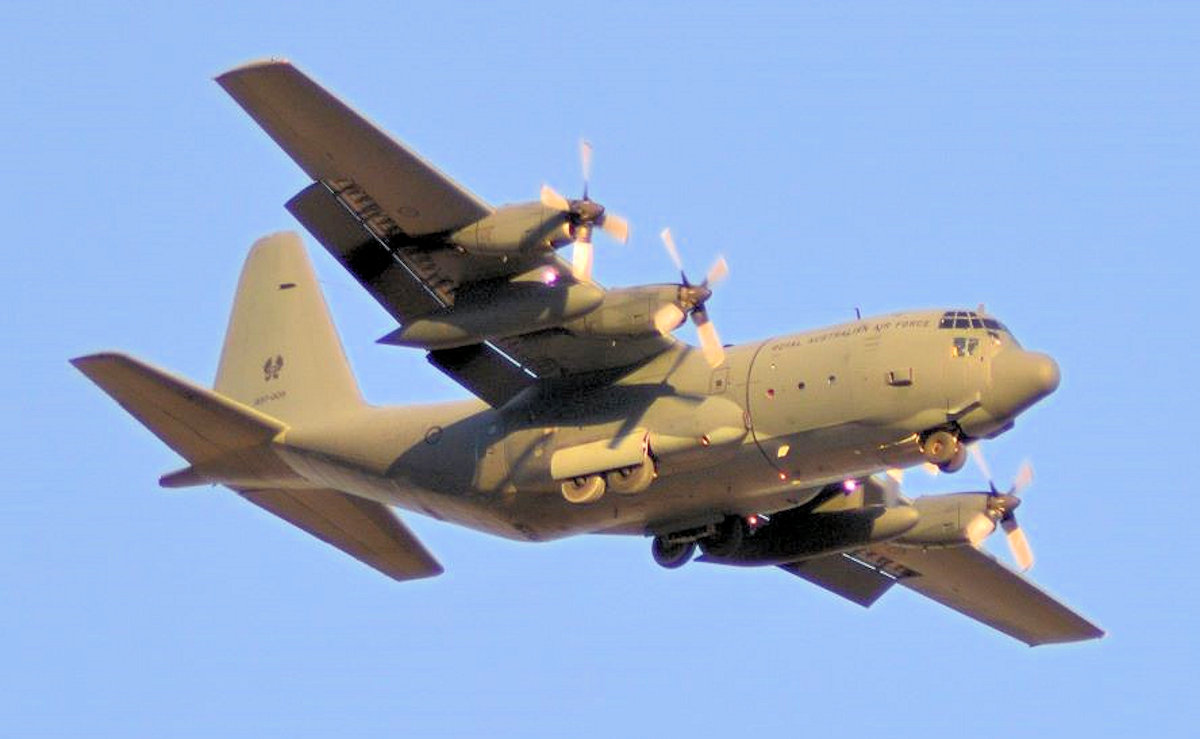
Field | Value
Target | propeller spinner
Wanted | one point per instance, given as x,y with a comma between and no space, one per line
691,300
1001,508
583,215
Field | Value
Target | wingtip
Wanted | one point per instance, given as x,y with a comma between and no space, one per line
83,361
255,64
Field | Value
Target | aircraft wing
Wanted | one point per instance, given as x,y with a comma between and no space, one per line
969,580
330,141
383,213
368,531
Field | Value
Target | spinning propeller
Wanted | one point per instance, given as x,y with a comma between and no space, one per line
1001,508
691,300
584,214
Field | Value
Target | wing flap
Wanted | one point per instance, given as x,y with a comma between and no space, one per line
844,576
976,585
368,531
376,267
330,140
484,371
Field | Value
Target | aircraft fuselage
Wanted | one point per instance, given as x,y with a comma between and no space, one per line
768,430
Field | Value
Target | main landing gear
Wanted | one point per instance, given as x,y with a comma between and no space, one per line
581,490
722,539
943,448
672,554
626,481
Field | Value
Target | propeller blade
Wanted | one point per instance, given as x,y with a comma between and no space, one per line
719,271
582,257
616,227
585,163
669,242
1017,543
551,199
1023,479
890,482
668,318
710,342
977,454
979,529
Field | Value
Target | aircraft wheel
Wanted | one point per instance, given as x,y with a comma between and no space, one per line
941,447
671,554
728,537
581,490
630,480
957,461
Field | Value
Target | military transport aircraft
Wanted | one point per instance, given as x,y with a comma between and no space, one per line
589,416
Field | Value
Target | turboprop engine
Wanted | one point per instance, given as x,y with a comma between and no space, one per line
629,312
955,519
512,229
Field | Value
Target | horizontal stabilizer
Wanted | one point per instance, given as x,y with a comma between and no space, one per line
196,422
368,531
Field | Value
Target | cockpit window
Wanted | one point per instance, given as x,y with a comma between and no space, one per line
960,319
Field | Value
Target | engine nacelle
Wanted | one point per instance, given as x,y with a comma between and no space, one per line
950,520
505,310
514,228
627,312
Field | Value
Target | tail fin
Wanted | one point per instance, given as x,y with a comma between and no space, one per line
282,355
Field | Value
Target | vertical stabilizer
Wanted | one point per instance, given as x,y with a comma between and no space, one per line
282,355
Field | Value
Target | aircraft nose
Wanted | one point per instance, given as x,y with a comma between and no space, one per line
1020,379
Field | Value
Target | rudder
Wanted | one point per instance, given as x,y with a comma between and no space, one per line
282,354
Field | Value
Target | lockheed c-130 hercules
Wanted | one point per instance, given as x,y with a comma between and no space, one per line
589,416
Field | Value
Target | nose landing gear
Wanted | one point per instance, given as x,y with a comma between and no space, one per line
943,448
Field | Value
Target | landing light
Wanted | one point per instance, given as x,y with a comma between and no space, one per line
850,486
549,276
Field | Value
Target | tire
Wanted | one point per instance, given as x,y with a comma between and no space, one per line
582,490
630,480
940,448
957,461
670,555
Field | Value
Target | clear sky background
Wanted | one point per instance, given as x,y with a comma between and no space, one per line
1042,158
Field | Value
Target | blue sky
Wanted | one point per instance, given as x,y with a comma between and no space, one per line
1039,158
